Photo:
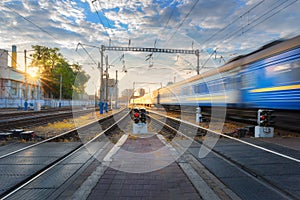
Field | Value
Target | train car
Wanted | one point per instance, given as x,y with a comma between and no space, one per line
266,78
146,101
273,82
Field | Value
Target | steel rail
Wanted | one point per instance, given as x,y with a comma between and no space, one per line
241,167
229,137
63,158
58,136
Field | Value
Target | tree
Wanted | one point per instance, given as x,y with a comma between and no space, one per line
52,65
81,78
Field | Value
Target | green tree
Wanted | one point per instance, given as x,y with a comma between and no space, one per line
52,65
81,78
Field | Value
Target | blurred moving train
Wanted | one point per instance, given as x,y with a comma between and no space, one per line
266,78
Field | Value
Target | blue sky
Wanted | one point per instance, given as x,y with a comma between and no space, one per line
230,27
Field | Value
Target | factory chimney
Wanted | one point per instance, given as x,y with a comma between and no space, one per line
14,57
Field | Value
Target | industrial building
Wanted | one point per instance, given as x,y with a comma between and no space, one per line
15,85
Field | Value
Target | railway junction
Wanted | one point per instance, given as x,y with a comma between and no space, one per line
222,134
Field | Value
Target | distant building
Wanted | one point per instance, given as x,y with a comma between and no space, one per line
14,83
141,92
126,95
16,87
127,92
111,92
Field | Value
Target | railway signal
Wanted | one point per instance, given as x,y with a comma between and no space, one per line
264,117
143,116
264,121
140,118
136,115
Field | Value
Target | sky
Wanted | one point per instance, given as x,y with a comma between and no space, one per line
219,29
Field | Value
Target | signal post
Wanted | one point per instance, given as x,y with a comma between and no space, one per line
140,125
264,121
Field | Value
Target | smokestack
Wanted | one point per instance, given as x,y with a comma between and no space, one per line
14,57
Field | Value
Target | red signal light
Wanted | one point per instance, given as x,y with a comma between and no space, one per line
262,117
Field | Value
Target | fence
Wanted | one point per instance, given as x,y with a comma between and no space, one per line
53,103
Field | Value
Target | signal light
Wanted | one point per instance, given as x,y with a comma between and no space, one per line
264,117
143,115
136,115
139,115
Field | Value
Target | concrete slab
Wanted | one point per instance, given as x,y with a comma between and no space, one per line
269,167
249,189
167,183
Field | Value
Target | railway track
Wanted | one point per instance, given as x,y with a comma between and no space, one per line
21,113
283,119
12,121
251,162
231,159
35,162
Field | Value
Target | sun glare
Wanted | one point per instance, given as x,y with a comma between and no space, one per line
33,71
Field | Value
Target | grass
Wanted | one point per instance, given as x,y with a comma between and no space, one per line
55,128
132,137
52,129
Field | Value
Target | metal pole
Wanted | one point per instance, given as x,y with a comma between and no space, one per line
174,77
101,81
198,62
116,89
101,68
133,94
60,89
106,74
39,84
25,63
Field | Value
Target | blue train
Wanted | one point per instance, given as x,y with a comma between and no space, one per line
268,78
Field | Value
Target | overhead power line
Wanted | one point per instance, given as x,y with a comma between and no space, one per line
235,20
181,23
37,26
273,10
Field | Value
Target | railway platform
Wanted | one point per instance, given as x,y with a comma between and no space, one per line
153,166
288,142
133,176
129,177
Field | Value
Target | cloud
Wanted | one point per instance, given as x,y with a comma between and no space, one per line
234,27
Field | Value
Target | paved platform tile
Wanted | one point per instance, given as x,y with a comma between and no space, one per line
167,183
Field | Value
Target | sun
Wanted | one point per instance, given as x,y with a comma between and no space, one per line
33,71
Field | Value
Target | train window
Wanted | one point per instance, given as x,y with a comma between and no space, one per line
185,90
199,88
286,73
211,87
226,83
205,88
234,83
196,89
216,86
248,80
